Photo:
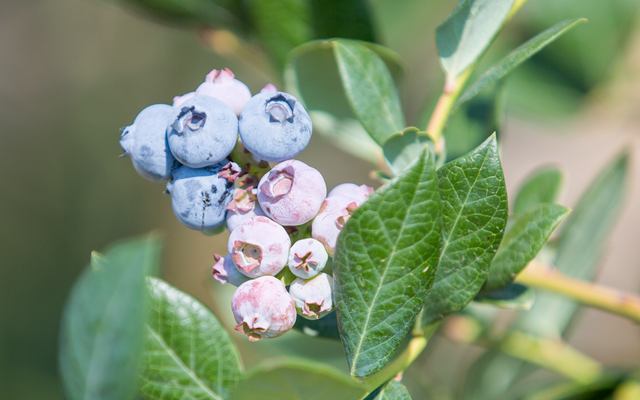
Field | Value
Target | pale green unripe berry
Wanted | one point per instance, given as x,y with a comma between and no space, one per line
313,297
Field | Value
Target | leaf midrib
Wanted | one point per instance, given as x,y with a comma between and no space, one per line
182,365
385,104
448,241
386,268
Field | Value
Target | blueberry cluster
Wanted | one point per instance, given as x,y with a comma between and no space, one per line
277,217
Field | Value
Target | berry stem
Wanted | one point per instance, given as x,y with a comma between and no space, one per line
404,360
546,277
445,104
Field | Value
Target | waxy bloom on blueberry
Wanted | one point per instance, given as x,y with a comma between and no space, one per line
259,247
263,309
359,194
292,193
202,131
146,143
223,86
274,126
225,271
313,297
199,197
307,258
334,214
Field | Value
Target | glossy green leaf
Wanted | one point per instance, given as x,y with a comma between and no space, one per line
525,235
581,245
542,186
468,31
401,148
325,327
512,296
282,25
521,54
384,265
103,322
370,89
293,379
312,76
351,19
474,209
392,390
188,353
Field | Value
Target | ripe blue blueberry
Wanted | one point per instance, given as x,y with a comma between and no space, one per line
274,126
202,131
146,143
199,197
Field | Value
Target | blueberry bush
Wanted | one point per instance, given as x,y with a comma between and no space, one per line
434,247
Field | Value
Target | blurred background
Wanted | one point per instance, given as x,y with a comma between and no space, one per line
74,71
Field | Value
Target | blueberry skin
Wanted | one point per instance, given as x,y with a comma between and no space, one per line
202,131
146,143
274,126
199,197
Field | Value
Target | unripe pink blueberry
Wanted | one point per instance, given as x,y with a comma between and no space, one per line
307,258
222,86
259,247
243,207
263,309
313,297
359,194
178,100
225,271
292,193
269,87
334,214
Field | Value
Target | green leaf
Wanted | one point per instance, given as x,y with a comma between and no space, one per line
293,379
370,89
525,235
521,54
188,353
542,186
474,209
282,25
325,327
581,244
103,322
343,18
468,31
512,296
401,148
384,265
392,390
312,76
